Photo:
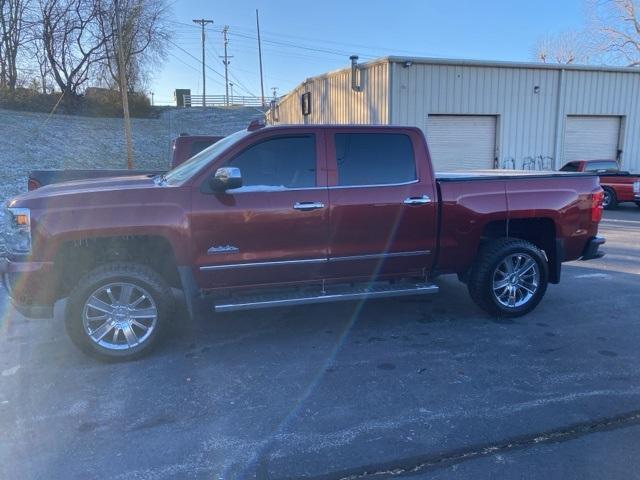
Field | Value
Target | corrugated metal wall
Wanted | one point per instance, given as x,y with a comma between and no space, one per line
531,121
333,100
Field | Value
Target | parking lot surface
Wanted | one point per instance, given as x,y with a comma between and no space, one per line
425,387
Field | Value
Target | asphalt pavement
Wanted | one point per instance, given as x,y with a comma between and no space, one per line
426,387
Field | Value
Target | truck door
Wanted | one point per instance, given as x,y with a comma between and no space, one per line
274,228
382,203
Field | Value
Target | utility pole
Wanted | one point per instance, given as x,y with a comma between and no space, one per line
226,63
152,99
202,22
275,92
124,90
260,58
231,86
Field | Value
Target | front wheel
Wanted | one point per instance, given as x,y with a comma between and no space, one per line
118,311
509,277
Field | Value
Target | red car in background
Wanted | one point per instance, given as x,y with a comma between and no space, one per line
618,186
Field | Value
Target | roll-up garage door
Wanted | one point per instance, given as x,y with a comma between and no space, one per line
462,142
591,138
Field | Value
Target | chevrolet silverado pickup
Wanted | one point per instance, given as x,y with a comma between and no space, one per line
618,186
287,215
182,149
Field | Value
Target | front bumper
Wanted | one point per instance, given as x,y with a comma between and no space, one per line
591,248
30,286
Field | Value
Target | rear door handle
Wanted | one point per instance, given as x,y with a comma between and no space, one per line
417,200
306,206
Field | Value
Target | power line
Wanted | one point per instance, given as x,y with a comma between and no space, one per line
194,57
375,49
292,45
193,68
207,66
238,81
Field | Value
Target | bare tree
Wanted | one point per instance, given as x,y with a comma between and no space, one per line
41,59
13,36
143,36
565,48
616,28
3,61
73,41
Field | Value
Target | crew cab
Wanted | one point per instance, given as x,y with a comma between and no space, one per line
289,215
618,186
182,147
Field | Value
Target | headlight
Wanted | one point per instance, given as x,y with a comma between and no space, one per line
636,187
19,231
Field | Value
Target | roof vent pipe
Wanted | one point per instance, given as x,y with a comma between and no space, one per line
355,74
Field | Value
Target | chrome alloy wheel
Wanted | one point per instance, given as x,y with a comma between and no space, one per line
516,280
119,316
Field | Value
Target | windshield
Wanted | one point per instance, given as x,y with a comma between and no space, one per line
192,166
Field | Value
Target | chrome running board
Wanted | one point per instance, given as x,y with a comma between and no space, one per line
330,294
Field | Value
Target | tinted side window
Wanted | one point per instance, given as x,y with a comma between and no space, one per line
374,158
570,167
608,166
279,162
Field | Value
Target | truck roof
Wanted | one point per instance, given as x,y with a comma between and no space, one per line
336,126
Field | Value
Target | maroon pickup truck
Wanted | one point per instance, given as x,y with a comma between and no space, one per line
182,149
618,186
290,215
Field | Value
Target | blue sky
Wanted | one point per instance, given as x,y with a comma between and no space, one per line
302,39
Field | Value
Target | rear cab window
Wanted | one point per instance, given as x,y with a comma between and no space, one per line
571,167
602,166
199,145
374,159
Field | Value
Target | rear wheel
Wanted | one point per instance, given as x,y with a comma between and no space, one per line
609,200
118,311
509,277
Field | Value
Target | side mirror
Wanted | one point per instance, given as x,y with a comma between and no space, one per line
226,178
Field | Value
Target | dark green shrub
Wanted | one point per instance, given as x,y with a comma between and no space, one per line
95,103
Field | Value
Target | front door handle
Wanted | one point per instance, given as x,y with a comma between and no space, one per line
306,206
417,200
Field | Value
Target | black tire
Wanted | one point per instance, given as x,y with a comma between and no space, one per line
638,204
481,277
155,291
610,201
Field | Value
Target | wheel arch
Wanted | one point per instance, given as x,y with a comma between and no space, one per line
541,231
74,258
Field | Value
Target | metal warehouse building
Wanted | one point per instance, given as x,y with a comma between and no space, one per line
480,114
